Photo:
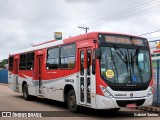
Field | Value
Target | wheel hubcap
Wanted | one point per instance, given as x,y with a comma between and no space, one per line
72,101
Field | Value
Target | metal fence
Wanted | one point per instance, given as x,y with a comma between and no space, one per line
3,76
156,70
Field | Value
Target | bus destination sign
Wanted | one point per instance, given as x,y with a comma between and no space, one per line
118,39
123,40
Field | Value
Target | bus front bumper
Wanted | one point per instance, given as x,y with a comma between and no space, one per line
103,102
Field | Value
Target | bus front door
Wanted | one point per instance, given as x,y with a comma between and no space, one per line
85,76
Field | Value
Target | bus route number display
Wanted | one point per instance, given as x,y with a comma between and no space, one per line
123,40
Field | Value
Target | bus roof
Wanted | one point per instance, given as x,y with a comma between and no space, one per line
51,43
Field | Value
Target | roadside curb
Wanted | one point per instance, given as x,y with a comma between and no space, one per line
149,108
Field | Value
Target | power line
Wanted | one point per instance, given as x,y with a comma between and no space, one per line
122,12
124,15
158,37
117,16
149,33
125,12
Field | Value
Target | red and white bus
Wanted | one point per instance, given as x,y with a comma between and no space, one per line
97,70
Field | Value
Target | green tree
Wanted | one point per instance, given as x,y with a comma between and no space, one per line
3,62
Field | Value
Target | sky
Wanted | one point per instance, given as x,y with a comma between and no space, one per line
27,22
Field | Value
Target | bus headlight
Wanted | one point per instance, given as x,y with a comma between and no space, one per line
105,92
150,92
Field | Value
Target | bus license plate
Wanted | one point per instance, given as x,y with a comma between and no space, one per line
131,105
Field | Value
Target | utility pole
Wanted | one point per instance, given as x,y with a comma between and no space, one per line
86,28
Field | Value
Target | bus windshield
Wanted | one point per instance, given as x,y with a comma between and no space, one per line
125,65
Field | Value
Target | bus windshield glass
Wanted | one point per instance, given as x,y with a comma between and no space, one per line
125,65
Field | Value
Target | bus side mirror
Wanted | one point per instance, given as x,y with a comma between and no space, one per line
96,55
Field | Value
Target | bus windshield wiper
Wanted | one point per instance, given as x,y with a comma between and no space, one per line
135,55
114,63
133,60
121,55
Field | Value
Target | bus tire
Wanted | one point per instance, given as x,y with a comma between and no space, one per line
26,96
71,101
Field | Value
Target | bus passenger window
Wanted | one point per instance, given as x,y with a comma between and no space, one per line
23,62
82,63
68,56
88,62
52,58
30,61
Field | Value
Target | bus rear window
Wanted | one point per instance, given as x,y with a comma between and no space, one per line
11,61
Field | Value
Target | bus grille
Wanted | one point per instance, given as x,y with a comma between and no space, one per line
123,103
128,88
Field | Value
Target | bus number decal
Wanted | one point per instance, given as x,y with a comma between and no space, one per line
69,80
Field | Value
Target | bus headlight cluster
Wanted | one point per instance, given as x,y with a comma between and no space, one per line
105,92
150,92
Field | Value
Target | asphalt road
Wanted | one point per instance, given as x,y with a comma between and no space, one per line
14,103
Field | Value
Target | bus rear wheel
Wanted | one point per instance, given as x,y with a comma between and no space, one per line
71,101
26,96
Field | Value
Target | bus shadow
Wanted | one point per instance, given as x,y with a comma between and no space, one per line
105,113
83,111
46,102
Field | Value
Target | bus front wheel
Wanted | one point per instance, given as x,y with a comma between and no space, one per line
71,101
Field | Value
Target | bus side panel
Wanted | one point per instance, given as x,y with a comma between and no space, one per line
32,90
54,88
27,76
